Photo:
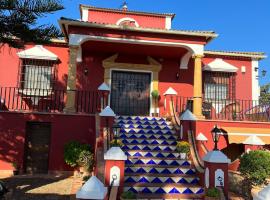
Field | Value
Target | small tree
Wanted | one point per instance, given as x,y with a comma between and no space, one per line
265,94
255,166
18,22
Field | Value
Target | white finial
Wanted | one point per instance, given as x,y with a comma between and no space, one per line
125,7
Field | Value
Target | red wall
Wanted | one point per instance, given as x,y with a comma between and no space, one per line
112,17
9,64
243,80
206,126
64,128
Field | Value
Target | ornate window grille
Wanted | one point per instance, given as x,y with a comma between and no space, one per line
37,74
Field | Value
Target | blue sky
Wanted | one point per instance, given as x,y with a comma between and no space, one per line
242,25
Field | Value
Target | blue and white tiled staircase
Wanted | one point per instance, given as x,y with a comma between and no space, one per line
153,169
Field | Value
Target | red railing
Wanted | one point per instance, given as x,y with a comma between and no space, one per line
236,110
232,110
46,100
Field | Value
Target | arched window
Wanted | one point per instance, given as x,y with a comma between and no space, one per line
127,22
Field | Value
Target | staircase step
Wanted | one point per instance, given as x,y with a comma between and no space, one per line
140,118
142,196
164,175
143,122
153,154
149,141
160,170
146,131
153,127
163,162
148,136
164,148
149,151
166,189
160,180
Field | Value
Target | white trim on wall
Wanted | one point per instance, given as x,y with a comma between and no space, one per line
127,19
78,39
255,79
85,13
168,22
151,109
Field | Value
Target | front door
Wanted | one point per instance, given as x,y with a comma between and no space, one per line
130,93
37,148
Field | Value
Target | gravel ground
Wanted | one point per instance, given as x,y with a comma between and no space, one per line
41,187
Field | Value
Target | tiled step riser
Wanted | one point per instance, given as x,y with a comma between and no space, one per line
160,170
148,141
140,126
136,131
157,162
165,190
149,147
152,154
154,180
143,122
147,136
140,118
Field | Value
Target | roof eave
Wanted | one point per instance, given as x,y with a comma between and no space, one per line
209,35
258,56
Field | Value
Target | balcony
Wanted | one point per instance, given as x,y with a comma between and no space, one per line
229,110
46,100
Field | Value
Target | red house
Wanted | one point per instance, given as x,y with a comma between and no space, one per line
49,95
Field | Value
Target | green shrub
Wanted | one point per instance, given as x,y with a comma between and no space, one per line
72,151
116,143
183,147
213,192
128,195
86,160
255,166
155,94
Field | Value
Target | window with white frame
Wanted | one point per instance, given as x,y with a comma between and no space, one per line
219,85
37,74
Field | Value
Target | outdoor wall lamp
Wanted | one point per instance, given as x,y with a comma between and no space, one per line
116,130
85,71
177,75
215,135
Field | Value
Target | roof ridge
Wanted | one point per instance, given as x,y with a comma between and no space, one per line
128,11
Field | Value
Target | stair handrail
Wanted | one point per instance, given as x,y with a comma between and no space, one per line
198,163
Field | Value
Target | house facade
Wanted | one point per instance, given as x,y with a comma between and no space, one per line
50,94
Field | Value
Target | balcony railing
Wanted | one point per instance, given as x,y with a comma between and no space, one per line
236,110
231,110
46,100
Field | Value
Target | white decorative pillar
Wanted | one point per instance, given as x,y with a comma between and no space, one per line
92,189
216,173
115,167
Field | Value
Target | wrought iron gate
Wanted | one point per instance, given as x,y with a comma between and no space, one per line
130,93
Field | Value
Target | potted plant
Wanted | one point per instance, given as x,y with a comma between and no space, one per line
155,95
15,168
116,143
183,148
86,162
72,154
212,194
128,195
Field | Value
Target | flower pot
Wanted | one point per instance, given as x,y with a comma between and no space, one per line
183,156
